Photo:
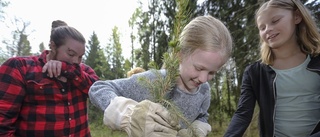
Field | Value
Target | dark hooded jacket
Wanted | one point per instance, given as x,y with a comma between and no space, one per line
258,85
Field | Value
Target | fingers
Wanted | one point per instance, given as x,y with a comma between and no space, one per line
201,128
184,133
164,129
158,119
162,115
158,130
146,122
168,117
53,68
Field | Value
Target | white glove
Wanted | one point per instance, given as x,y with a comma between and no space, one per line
144,119
196,129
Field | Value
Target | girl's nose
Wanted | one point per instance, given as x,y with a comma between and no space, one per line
203,77
269,28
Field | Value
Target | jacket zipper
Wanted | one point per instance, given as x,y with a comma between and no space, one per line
275,102
317,71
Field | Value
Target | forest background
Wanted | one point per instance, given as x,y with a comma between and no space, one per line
152,31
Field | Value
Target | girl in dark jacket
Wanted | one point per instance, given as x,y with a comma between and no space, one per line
285,82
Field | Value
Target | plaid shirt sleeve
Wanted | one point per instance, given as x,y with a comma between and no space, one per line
82,76
11,95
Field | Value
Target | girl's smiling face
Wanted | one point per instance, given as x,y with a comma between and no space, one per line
198,68
277,26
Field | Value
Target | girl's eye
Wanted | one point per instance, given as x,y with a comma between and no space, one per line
262,27
211,73
71,55
198,69
275,21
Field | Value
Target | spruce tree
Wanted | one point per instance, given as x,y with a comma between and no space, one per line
161,85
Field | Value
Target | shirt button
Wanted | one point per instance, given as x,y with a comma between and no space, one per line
62,90
77,78
65,71
41,87
69,118
69,103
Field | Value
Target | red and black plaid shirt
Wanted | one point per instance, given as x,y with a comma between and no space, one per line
35,105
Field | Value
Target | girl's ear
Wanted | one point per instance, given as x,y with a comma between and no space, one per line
297,17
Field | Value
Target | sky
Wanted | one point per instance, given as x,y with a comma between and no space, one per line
88,16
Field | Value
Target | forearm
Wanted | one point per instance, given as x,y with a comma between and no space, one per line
11,97
86,78
101,92
81,76
100,95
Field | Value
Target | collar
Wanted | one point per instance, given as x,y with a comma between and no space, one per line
314,63
43,56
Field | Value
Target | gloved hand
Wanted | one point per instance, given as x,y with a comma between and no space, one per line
144,119
196,129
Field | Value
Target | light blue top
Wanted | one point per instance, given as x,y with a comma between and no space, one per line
298,101
194,106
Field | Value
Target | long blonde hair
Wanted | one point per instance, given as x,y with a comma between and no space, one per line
206,33
307,33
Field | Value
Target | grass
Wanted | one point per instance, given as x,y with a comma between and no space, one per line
104,131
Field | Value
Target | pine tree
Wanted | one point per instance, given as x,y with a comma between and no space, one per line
41,47
24,44
161,85
114,55
96,58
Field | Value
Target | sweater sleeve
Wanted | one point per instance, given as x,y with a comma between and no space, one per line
102,92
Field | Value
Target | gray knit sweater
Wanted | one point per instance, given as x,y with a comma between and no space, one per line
194,106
